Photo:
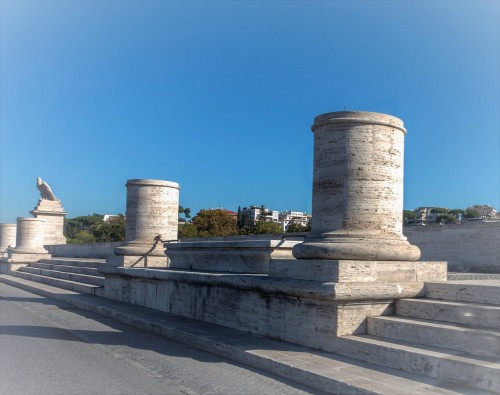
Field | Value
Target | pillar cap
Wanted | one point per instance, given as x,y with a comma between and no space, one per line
30,219
361,117
152,183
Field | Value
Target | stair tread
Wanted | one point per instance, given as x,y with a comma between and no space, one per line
451,303
479,330
438,352
59,271
51,266
57,279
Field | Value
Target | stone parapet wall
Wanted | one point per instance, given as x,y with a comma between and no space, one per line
469,247
309,313
87,250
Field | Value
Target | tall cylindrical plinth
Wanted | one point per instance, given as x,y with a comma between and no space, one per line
357,189
152,210
29,244
7,238
29,236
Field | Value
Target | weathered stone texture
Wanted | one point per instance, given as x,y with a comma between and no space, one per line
468,247
357,189
29,242
53,214
152,212
7,238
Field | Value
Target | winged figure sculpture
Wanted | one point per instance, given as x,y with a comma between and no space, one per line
45,190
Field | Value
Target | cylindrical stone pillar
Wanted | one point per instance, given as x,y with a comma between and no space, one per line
30,236
7,237
357,203
152,210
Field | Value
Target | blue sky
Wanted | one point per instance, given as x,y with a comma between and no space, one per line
220,96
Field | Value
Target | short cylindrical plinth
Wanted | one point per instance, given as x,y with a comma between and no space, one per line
7,237
152,210
30,236
357,189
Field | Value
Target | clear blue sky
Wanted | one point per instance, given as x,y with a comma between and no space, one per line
220,96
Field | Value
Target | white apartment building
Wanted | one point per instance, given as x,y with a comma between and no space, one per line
294,217
485,210
252,214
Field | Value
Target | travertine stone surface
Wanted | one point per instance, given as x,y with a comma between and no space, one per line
152,210
357,189
351,271
309,313
53,214
7,238
29,241
239,256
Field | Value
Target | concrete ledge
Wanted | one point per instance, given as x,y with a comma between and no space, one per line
349,271
277,286
237,256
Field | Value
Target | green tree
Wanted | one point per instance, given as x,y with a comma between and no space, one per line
185,211
472,213
457,211
409,215
82,237
296,227
93,229
440,210
188,230
262,228
446,219
210,223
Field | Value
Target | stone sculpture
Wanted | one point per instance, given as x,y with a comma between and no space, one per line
45,190
50,209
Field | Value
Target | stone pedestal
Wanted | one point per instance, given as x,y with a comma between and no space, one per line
29,241
52,213
152,215
7,238
357,203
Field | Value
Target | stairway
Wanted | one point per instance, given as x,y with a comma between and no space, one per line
452,334
74,274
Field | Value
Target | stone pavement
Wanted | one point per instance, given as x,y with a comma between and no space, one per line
323,371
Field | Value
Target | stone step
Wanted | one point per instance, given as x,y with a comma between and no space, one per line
475,291
322,371
80,278
474,341
60,283
84,262
476,314
91,271
430,361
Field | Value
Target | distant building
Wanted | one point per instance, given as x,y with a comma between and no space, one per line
485,210
107,217
253,214
293,217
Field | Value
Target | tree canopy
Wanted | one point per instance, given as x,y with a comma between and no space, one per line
210,223
93,229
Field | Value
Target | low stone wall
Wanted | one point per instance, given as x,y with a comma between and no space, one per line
469,247
310,313
88,250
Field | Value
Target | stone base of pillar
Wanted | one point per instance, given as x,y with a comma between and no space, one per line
134,254
356,248
354,271
52,212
